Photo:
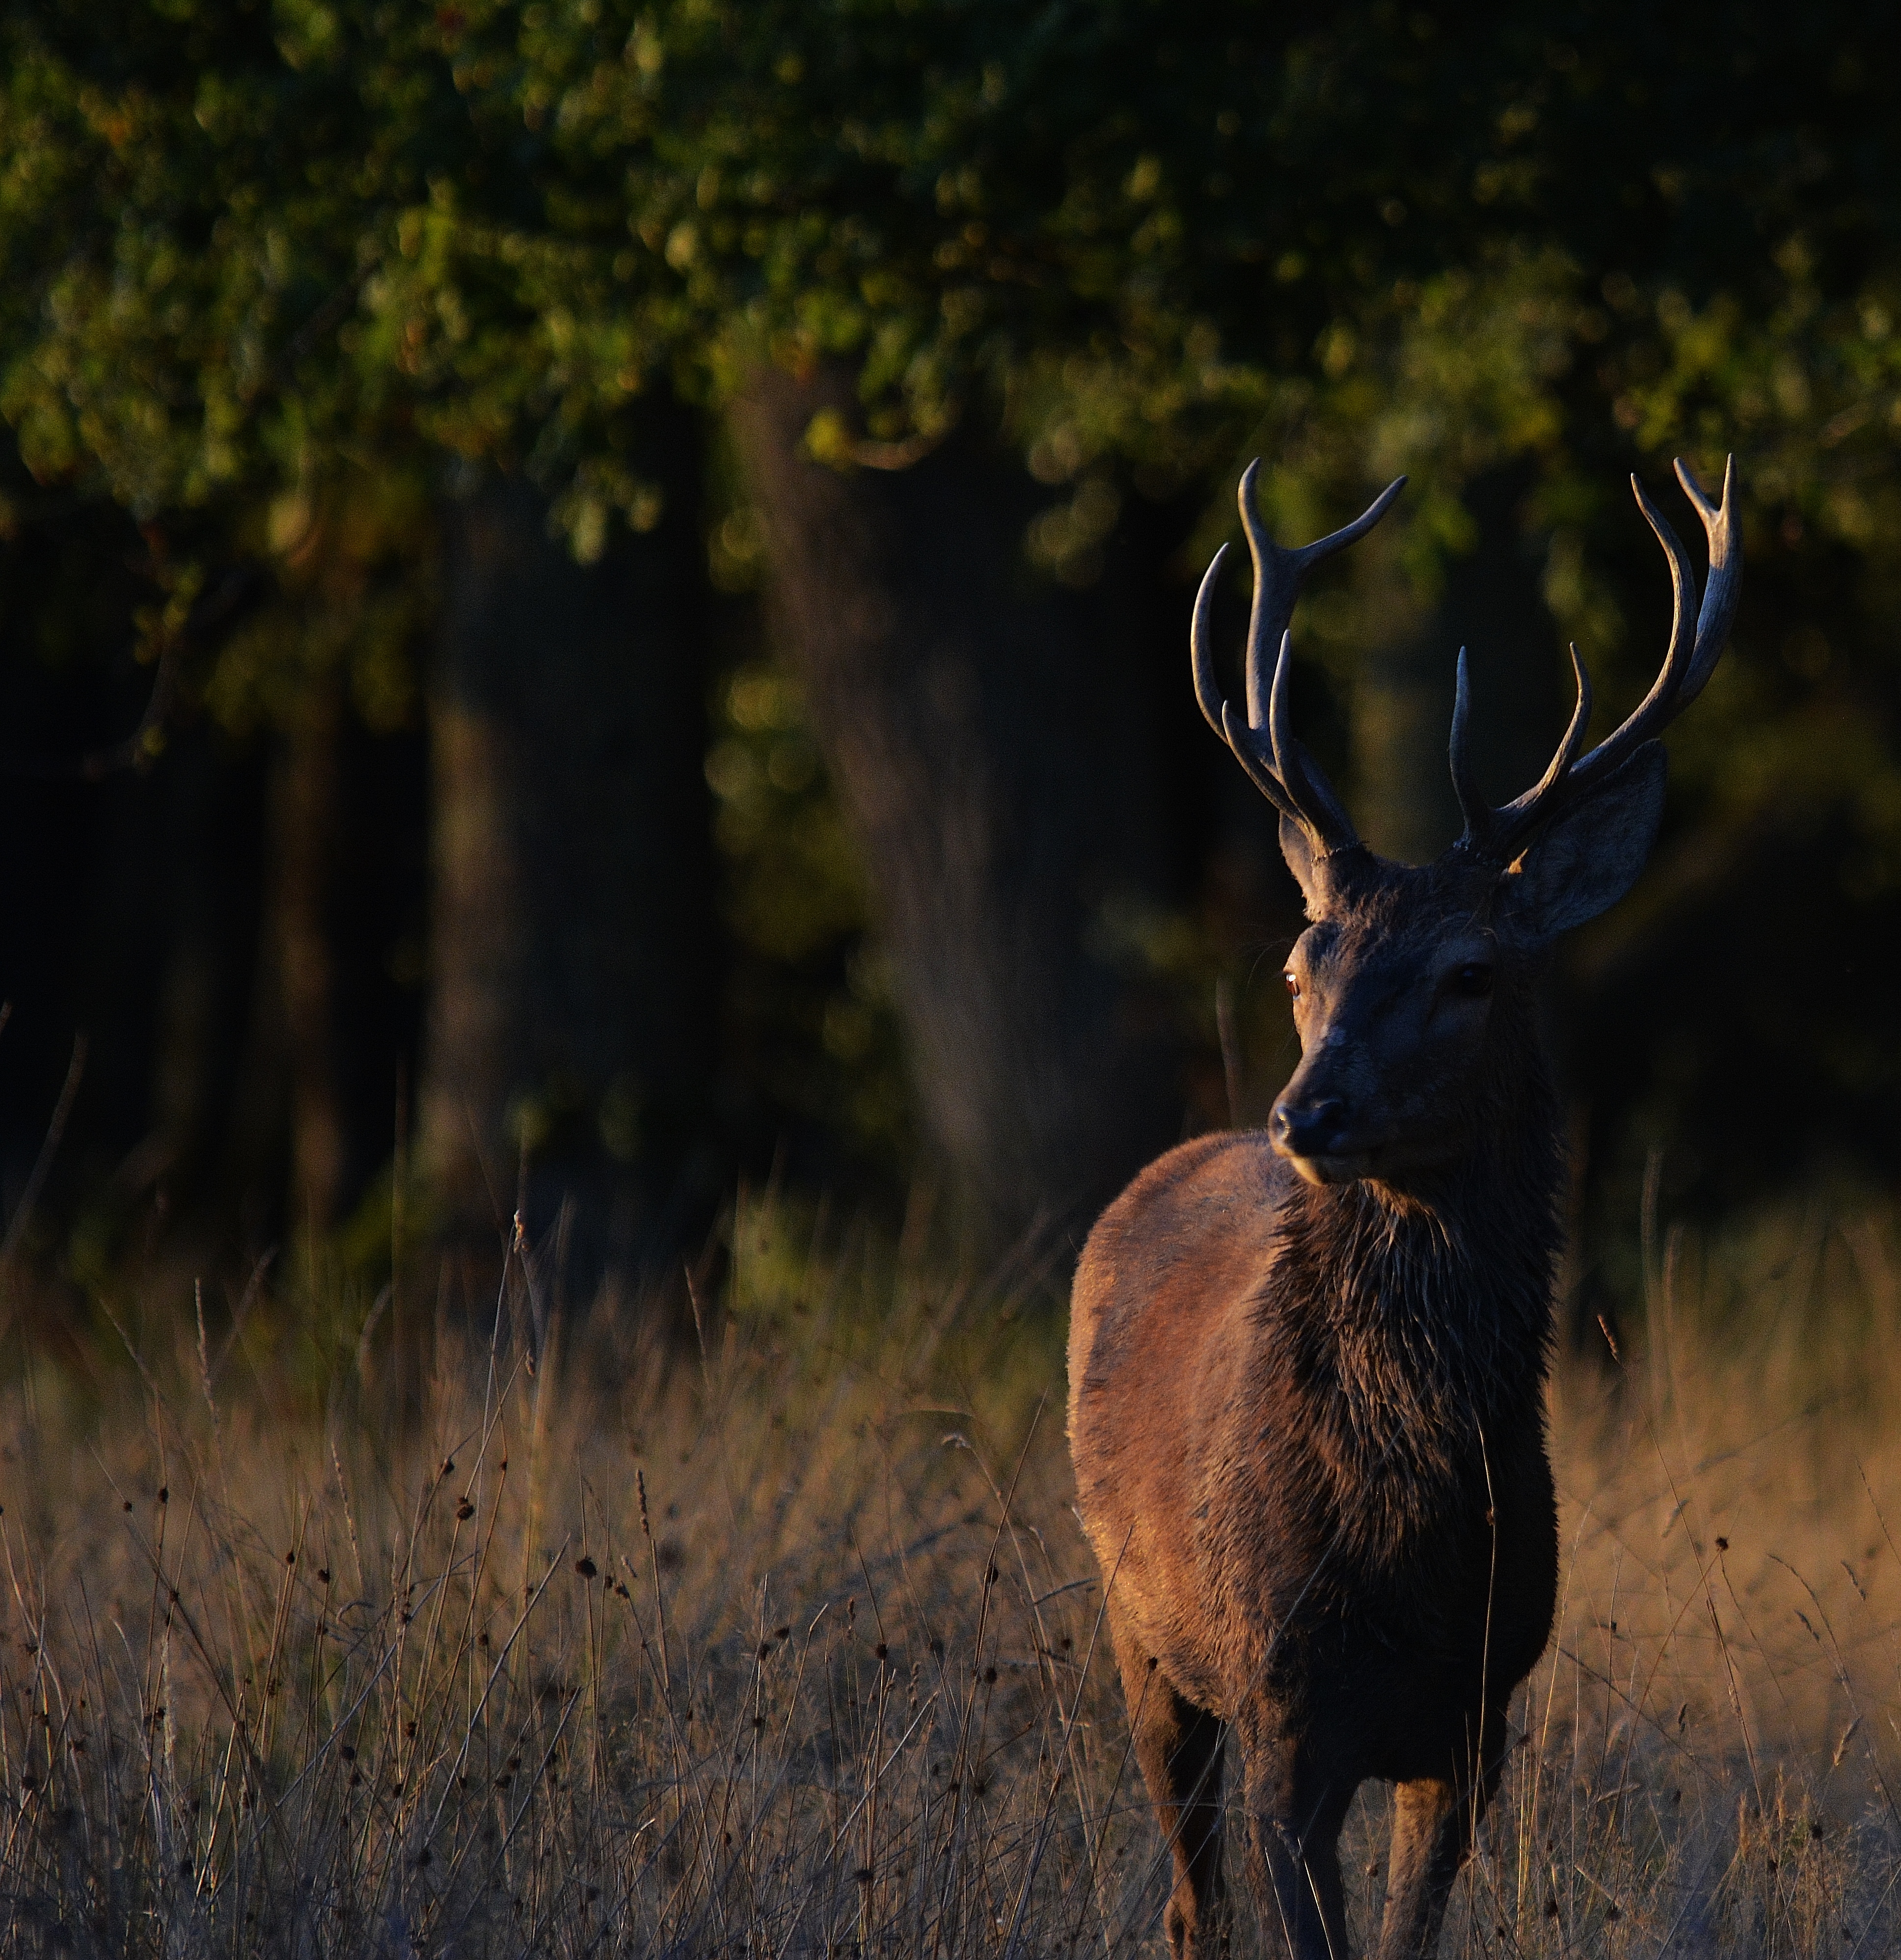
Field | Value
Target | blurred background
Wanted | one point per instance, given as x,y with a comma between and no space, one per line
593,604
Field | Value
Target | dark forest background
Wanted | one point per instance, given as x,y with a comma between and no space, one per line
593,598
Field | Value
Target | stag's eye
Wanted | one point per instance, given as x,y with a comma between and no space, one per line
1473,981
1293,983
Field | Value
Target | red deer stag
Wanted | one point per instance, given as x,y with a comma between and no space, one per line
1307,1364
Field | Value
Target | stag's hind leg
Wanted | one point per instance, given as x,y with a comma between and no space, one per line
1434,1820
1178,1747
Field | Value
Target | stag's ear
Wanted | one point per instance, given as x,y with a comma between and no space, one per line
1306,864
1584,861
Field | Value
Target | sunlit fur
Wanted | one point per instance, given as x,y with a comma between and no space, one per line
1307,1418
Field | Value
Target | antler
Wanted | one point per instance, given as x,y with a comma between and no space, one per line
1501,834
1276,761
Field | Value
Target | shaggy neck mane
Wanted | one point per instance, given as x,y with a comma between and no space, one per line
1420,1319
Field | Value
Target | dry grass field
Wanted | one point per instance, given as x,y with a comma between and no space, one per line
788,1645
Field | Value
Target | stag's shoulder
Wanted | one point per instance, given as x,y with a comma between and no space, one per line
1206,1208
1197,1185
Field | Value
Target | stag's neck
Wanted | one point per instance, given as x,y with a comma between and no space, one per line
1428,1311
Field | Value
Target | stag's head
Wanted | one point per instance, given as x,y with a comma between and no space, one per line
1411,986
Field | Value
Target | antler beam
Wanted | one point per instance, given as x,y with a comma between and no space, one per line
1265,745
1501,834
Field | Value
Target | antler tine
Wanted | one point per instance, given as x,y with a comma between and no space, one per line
1279,570
1574,735
1692,655
1215,711
1207,690
1259,774
1472,806
1305,783
1510,825
1274,569
1725,586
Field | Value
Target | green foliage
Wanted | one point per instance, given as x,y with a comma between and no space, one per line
249,250
490,228
350,595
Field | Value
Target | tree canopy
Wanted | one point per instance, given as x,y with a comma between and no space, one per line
250,246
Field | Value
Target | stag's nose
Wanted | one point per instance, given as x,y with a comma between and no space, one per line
1309,1129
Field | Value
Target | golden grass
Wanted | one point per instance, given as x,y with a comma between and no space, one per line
789,1645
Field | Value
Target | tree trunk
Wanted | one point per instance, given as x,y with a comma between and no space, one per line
288,1138
307,822
572,1016
988,747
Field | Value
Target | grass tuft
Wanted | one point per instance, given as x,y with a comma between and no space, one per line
789,1643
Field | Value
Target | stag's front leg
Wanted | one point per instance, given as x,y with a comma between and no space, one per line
1434,1820
1295,1811
1178,1747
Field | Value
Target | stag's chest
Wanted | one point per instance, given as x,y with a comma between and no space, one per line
1331,1572
1370,1469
